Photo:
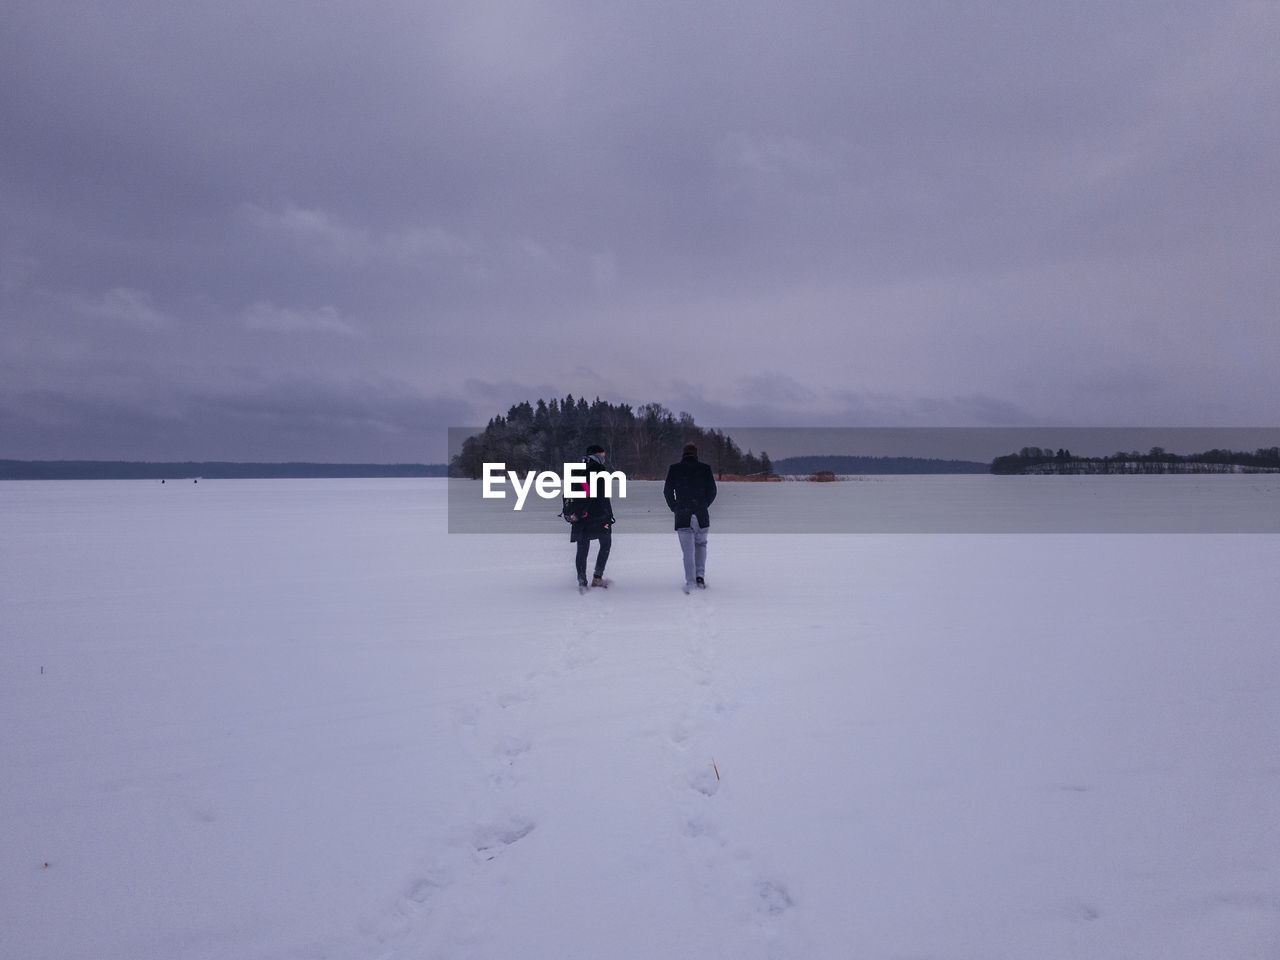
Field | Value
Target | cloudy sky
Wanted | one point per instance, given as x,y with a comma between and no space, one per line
329,231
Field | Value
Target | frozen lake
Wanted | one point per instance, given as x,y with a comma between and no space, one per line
298,719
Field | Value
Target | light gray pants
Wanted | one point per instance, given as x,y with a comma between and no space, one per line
693,544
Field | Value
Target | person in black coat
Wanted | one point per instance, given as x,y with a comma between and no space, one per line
595,523
689,491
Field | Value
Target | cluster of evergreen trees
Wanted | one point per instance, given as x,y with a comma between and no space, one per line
641,443
1156,460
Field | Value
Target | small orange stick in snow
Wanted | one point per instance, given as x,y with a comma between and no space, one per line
715,768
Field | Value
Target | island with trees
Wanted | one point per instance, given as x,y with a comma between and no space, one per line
641,442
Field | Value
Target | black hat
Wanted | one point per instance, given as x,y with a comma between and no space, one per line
594,448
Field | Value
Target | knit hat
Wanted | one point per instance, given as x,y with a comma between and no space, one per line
594,448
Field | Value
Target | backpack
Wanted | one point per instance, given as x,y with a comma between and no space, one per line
573,510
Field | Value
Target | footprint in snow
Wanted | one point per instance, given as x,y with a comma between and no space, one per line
424,888
699,828
775,900
705,781
681,733
506,752
491,840
1084,911
513,698
579,653
509,748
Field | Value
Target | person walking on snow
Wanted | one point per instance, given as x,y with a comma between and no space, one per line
690,489
595,522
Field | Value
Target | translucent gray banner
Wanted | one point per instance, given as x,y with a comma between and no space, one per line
1057,480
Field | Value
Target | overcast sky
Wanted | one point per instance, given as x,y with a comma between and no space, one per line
292,230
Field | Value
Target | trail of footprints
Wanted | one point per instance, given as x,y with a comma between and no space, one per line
493,724
487,839
769,900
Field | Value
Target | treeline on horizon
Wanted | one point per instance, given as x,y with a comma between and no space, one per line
208,470
874,465
1157,460
640,442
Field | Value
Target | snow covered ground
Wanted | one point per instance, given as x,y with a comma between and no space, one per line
297,719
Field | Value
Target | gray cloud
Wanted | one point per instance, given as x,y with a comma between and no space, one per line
285,420
964,214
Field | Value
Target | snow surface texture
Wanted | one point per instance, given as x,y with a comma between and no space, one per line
296,719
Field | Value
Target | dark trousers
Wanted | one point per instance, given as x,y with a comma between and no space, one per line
602,557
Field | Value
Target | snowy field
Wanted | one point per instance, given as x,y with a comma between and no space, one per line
297,719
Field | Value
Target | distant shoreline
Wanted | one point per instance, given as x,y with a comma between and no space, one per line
791,467
209,470
230,470
898,466
235,470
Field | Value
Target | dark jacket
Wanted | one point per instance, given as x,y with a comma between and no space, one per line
689,490
596,512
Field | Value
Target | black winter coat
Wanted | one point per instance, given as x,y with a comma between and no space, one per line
598,513
690,490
